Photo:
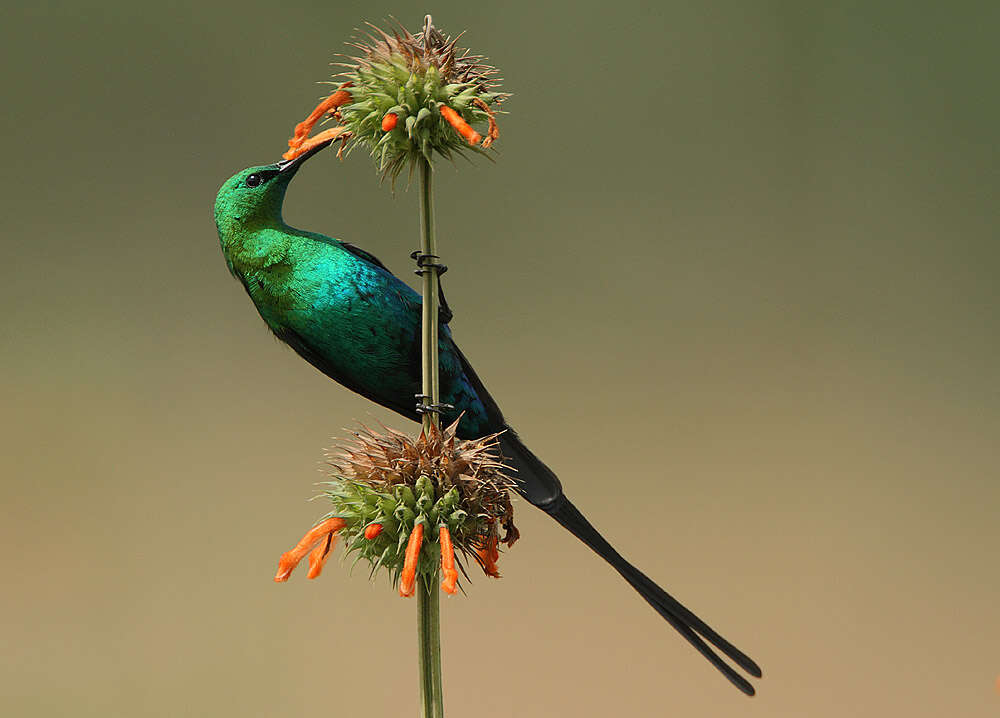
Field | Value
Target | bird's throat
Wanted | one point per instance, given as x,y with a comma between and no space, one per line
259,258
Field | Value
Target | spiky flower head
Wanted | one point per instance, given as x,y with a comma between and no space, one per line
387,488
416,95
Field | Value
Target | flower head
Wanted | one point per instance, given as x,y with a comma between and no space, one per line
409,505
408,97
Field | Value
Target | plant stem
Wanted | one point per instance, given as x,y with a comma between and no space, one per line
429,345
428,599
429,639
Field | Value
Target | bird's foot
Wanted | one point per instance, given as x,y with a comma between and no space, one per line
426,264
423,407
318,543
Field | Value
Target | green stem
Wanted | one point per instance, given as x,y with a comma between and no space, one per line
429,639
428,598
429,344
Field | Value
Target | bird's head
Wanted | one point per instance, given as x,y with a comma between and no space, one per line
253,198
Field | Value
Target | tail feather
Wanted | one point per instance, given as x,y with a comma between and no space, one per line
539,485
686,623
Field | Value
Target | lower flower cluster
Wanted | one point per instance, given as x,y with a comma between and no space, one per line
407,505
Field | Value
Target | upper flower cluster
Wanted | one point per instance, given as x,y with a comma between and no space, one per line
414,95
406,97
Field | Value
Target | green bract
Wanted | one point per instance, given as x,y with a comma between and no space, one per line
397,512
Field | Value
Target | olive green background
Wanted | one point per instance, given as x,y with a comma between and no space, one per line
733,275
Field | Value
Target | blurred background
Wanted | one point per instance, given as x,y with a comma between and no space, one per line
733,276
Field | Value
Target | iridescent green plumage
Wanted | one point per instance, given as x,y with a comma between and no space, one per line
337,306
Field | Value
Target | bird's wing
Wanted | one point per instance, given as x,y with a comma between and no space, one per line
316,357
444,313
494,417
362,254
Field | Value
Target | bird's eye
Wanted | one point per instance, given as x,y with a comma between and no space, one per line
254,180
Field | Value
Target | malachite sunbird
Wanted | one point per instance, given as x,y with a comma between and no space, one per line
342,311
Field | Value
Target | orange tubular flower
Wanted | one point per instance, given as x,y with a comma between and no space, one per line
322,532
330,134
460,125
389,121
330,104
372,531
318,556
488,556
447,562
407,581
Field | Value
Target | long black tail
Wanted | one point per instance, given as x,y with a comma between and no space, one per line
539,485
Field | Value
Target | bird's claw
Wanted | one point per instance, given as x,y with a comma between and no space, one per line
424,407
424,266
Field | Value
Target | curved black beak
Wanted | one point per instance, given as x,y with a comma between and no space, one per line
292,165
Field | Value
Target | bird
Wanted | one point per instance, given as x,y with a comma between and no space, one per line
345,313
